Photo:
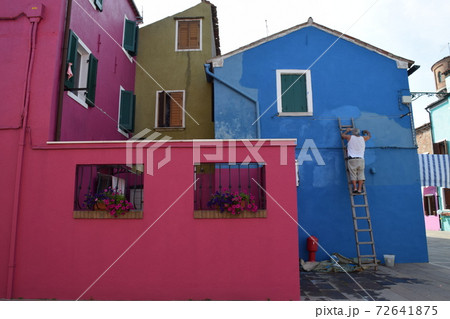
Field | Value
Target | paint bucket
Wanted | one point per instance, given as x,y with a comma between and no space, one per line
389,260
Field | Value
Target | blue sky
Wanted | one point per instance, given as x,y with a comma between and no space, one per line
413,29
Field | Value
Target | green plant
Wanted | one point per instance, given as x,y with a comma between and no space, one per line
234,203
115,202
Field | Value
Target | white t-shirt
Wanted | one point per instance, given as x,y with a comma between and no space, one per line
356,146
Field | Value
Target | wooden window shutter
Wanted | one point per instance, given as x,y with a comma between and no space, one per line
176,109
294,95
161,108
127,109
183,35
194,34
91,80
130,37
99,5
71,58
189,35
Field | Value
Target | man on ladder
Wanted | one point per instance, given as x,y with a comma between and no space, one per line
355,153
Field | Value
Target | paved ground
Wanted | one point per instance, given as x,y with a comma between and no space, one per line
403,282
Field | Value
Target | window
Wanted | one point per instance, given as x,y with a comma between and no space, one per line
446,197
215,182
130,37
170,109
429,202
81,72
440,147
294,94
188,35
127,106
94,184
97,4
439,77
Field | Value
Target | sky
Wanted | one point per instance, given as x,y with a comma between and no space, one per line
417,30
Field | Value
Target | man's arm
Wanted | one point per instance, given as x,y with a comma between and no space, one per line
367,135
345,135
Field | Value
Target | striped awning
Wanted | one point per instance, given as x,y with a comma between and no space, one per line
434,170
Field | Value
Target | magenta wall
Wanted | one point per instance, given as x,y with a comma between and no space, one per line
114,70
179,258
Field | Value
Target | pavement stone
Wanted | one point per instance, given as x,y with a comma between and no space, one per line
403,282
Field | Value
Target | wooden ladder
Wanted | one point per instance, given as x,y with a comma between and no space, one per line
365,244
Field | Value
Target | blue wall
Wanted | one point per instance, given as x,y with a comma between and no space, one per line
349,81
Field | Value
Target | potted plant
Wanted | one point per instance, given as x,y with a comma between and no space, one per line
111,200
234,203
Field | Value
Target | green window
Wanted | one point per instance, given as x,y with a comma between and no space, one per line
71,62
91,80
294,93
81,71
130,37
126,111
99,5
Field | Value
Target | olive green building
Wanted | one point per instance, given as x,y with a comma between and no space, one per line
172,93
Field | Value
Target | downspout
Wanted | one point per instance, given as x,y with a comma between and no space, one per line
62,76
34,20
234,88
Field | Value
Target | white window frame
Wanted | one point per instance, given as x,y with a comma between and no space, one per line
309,99
80,96
118,115
201,35
157,110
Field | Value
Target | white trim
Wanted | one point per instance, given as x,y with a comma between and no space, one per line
118,115
309,99
79,96
311,23
93,4
202,141
200,31
183,126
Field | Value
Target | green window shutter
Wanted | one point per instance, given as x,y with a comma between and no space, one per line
99,5
127,106
71,58
293,88
130,37
91,80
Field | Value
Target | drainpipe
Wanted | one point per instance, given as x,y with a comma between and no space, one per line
62,76
234,88
34,14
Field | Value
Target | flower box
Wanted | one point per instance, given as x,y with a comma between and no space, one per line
103,214
215,214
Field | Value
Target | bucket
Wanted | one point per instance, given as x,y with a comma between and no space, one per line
389,260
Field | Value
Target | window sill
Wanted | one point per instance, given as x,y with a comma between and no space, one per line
103,214
295,114
165,129
215,214
78,99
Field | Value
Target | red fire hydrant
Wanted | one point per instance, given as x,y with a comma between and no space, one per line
312,245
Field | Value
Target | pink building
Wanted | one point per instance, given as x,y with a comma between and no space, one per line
53,244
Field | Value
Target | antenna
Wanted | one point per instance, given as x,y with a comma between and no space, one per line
267,29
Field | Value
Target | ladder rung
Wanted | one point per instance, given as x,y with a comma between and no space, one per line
360,205
361,217
365,243
370,229
367,256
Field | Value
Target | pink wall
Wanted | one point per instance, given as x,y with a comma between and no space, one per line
179,258
114,70
432,222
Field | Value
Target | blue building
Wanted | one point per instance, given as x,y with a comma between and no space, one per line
296,84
